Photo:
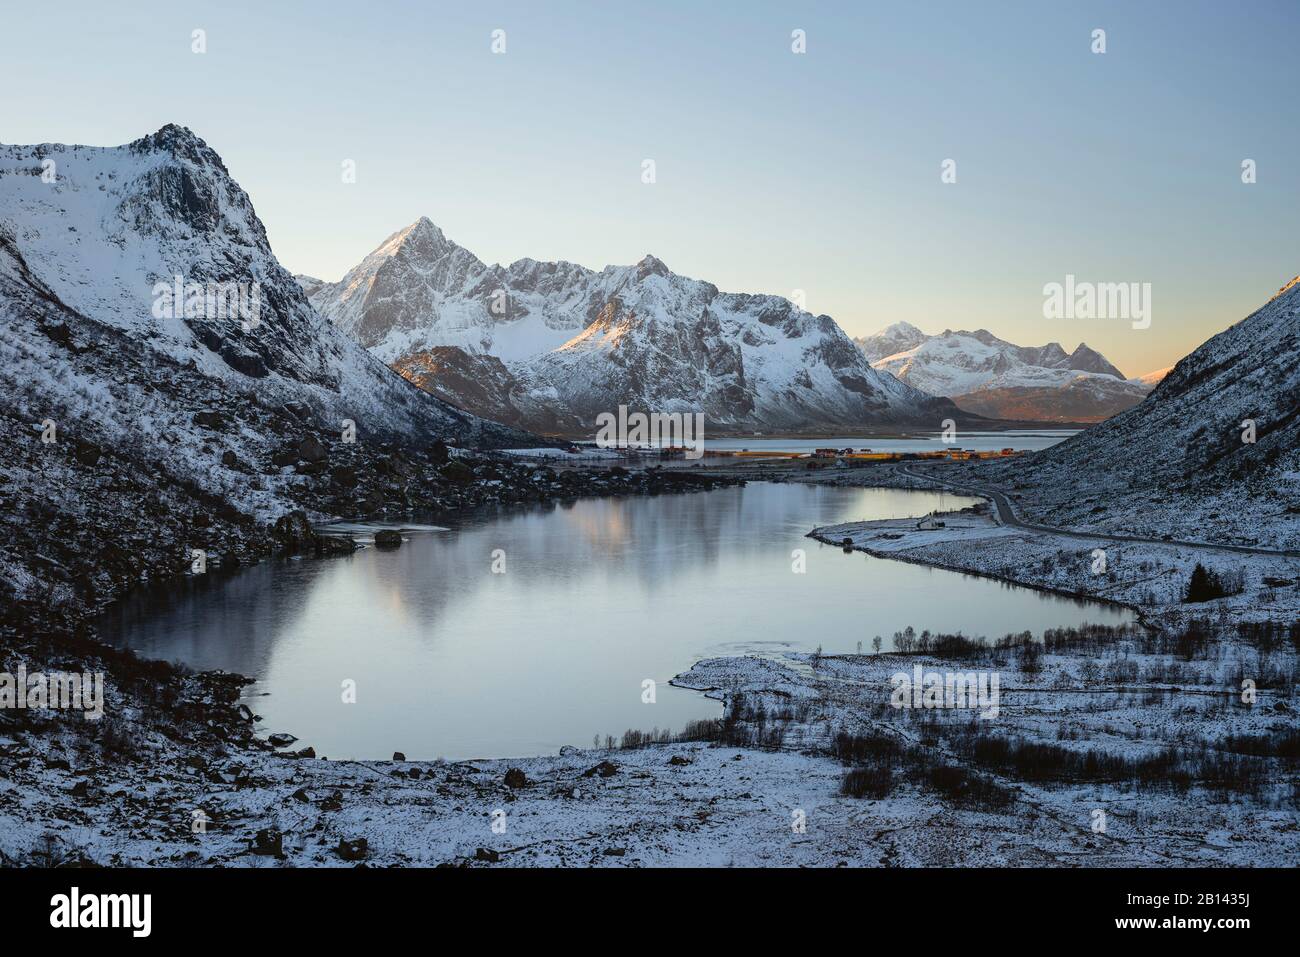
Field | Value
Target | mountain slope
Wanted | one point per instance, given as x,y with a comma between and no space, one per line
1176,464
563,343
134,431
992,377
118,221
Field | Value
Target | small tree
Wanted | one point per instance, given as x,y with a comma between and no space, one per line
1204,585
1031,655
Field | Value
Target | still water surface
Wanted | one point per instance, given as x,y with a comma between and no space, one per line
452,660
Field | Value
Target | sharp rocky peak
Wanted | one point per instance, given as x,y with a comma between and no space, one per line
651,265
180,142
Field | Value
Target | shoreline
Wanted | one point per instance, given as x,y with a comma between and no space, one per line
724,799
821,535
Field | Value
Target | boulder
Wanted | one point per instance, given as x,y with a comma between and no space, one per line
516,778
354,850
457,472
210,420
268,841
86,453
344,477
294,533
387,538
311,449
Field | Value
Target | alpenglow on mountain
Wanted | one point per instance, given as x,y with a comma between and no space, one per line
992,377
548,346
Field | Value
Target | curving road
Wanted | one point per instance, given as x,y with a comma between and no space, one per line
1007,516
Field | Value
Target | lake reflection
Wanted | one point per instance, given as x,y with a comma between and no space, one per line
452,660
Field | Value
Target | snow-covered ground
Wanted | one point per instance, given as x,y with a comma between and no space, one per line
695,803
1146,755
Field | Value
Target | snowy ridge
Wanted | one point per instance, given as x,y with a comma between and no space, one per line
1178,463
993,377
81,256
564,343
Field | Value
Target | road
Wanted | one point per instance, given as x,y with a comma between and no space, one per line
1007,516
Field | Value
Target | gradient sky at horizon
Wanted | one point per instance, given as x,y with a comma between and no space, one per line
775,171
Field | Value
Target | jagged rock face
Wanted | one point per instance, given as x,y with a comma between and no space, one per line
989,376
93,245
480,381
1178,460
572,343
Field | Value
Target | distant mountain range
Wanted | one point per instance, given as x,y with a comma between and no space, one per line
992,377
548,346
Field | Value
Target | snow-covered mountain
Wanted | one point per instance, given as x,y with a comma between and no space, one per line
992,377
550,345
1213,453
89,255
138,425
1151,379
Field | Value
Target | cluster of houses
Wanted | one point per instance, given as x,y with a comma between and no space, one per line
949,453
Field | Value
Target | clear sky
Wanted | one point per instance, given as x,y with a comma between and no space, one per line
775,171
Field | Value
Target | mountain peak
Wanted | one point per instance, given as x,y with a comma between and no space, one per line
1086,359
177,140
424,228
651,265
421,240
900,327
